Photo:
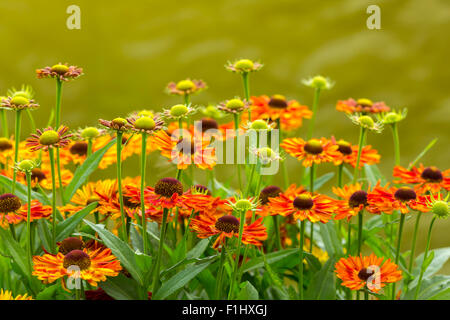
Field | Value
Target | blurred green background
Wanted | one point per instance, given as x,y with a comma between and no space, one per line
131,50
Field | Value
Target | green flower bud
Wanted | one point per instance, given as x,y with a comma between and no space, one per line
144,123
243,204
90,133
60,68
178,110
259,125
185,85
234,104
244,65
49,137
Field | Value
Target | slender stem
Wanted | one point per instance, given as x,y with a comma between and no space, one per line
61,187
212,178
4,123
218,294
238,254
52,168
143,167
349,236
413,246
360,230
16,150
314,110
58,103
397,251
300,269
394,128
29,248
89,149
362,133
366,295
119,184
236,149
160,250
187,99
311,189
276,227
247,92
425,256
340,175
33,124
283,163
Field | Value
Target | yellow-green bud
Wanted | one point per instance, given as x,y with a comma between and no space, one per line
364,102
259,125
243,204
49,137
319,82
440,208
120,121
26,165
178,110
234,104
145,113
90,133
19,101
244,65
366,121
144,123
60,68
185,85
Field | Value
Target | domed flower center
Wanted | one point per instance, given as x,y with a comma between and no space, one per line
5,144
269,192
358,198
313,146
77,258
146,113
37,174
244,65
207,124
405,194
9,203
145,123
364,274
278,101
49,138
364,102
167,187
367,121
303,202
243,204
441,208
79,148
432,174
186,146
344,147
26,165
119,122
19,101
235,104
185,85
178,110
200,189
259,125
130,204
227,224
319,82
60,68
90,132
70,244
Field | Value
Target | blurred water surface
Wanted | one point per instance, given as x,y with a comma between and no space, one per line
131,50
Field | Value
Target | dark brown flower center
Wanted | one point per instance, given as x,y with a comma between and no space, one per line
127,202
313,146
207,124
5,144
9,203
432,174
186,146
79,148
198,188
344,147
405,194
77,258
227,224
269,192
37,175
358,198
70,244
364,274
303,202
278,101
167,187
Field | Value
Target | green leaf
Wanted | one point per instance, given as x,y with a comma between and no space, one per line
322,285
85,170
49,293
424,151
66,227
319,182
374,174
440,258
330,239
180,279
121,288
16,251
431,288
248,292
120,249
198,249
44,233
270,258
21,190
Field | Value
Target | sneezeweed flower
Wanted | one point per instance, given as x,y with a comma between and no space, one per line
371,272
7,295
233,106
319,82
349,154
19,102
313,151
259,125
49,138
354,199
423,178
186,87
240,204
90,133
9,203
439,206
145,124
178,111
166,194
265,195
265,155
117,124
290,113
243,66
94,265
26,166
227,226
392,117
366,122
60,71
364,106
390,199
314,207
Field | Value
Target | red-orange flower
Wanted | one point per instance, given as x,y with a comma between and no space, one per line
166,194
349,154
361,106
312,151
389,199
424,178
372,272
227,226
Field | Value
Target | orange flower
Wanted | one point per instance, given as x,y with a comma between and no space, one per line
94,265
358,272
349,154
304,205
312,151
7,295
227,226
265,195
390,199
361,106
186,151
425,179
49,138
38,211
290,113
167,194
354,199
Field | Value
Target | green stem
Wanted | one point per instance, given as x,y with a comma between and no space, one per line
89,149
61,188
4,123
119,185
58,103
314,110
362,133
397,251
236,149
396,143
160,250
425,256
29,248
16,150
52,168
413,246
143,166
283,163
218,294
300,269
238,254
276,227
311,189
247,92
187,99
32,123
360,230
340,175
212,178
